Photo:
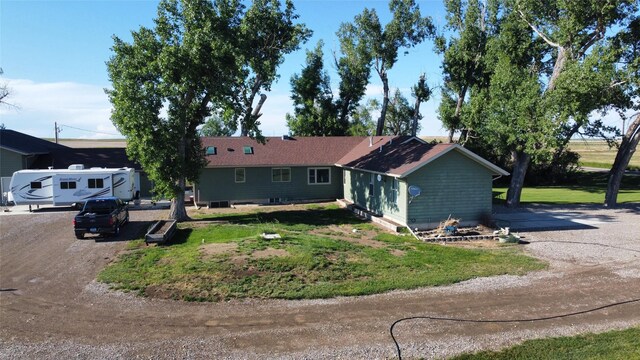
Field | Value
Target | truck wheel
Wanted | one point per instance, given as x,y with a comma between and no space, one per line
80,236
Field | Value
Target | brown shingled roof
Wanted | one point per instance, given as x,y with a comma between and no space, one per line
300,151
399,154
402,155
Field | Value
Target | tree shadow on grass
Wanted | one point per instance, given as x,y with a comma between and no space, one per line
311,217
179,237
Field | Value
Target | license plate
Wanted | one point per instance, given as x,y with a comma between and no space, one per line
93,229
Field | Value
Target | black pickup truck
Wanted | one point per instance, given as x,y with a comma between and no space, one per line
101,216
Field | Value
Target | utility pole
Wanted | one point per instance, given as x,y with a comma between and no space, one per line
56,130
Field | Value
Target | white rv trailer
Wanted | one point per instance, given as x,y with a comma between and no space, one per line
74,185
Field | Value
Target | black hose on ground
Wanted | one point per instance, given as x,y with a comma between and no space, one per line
439,318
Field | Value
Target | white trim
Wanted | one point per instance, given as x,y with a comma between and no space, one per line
244,175
316,175
368,171
414,138
281,167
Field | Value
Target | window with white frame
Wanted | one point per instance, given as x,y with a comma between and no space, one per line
240,175
280,174
371,182
319,176
394,189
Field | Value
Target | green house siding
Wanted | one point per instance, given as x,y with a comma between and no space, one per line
451,185
10,162
219,184
384,200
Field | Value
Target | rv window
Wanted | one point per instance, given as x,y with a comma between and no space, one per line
96,183
67,184
36,185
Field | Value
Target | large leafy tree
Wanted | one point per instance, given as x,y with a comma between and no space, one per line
362,123
171,77
512,105
380,44
314,112
421,92
471,24
627,43
219,124
578,68
266,33
399,116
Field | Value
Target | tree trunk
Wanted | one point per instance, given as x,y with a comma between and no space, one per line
249,120
456,114
557,67
452,132
626,150
416,116
178,212
385,103
521,162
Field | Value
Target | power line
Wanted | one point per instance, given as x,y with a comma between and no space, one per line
91,131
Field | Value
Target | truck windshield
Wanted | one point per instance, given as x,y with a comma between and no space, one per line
102,206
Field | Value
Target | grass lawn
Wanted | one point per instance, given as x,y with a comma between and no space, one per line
223,256
623,344
596,153
589,188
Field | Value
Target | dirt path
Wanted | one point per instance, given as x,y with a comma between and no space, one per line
51,307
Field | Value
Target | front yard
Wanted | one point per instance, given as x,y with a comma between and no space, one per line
322,252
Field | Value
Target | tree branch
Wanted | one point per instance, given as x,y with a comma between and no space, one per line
534,28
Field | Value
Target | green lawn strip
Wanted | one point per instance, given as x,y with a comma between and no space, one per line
313,265
623,344
589,188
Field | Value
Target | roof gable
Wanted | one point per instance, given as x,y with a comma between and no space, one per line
401,155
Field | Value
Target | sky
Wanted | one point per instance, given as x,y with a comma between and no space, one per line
53,55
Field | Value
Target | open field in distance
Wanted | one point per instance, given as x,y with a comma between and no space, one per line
596,153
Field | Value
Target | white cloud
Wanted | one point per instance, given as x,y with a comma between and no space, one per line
72,105
83,110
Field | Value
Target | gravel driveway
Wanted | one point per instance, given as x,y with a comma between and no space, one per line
51,307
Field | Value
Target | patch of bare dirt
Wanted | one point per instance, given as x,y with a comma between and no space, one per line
476,244
239,260
253,208
346,233
217,249
195,224
269,252
396,252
